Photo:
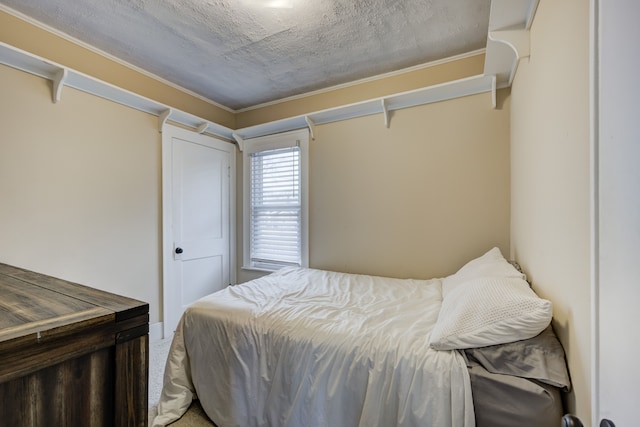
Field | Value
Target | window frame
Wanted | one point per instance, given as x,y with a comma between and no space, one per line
273,142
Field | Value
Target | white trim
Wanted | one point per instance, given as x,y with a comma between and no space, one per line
110,57
366,80
156,331
167,206
594,102
533,8
266,143
167,221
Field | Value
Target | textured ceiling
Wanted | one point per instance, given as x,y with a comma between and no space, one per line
240,53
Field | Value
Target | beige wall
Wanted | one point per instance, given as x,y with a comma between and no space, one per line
415,200
80,188
550,205
80,182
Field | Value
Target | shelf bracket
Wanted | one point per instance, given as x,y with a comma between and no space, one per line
162,118
494,91
239,140
517,40
58,84
385,111
200,129
312,127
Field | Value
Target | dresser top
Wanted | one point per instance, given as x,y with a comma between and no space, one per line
33,304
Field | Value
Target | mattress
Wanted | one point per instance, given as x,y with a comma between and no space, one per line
304,347
316,348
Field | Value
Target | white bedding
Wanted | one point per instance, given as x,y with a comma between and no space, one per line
305,347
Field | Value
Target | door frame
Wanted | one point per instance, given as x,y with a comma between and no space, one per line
168,133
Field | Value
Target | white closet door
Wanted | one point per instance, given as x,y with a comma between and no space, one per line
198,220
617,114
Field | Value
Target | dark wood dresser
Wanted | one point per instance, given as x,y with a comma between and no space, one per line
70,355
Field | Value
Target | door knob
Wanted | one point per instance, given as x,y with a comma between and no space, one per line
570,420
179,250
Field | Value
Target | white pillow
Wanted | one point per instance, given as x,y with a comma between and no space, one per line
491,264
489,311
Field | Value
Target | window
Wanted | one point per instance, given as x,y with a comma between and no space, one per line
275,201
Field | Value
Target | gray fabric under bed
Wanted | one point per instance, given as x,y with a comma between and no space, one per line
519,384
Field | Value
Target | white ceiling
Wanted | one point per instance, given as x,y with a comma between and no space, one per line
241,53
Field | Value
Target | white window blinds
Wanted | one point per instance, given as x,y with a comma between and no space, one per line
276,208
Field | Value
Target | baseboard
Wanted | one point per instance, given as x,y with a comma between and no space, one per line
155,331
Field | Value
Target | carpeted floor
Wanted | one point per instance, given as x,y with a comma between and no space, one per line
195,416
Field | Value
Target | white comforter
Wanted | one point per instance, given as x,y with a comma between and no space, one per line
307,347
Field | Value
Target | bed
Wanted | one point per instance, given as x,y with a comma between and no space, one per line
305,347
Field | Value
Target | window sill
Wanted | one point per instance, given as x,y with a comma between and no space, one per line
257,269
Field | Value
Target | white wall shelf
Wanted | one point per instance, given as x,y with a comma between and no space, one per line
507,44
508,38
382,105
62,76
